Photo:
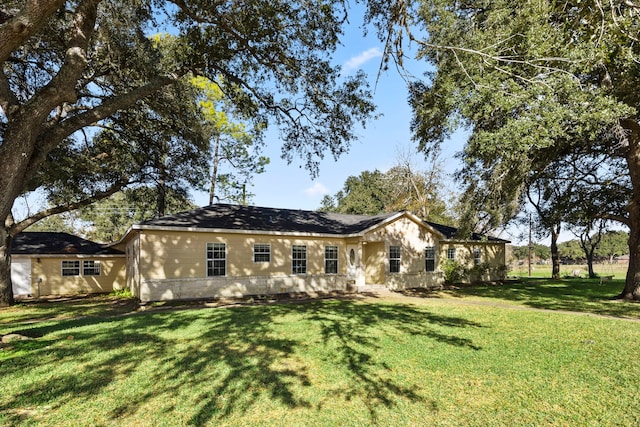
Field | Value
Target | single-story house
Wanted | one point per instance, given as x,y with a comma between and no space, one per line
49,263
231,250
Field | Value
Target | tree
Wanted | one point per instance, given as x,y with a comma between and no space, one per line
589,240
415,190
109,219
402,187
535,83
571,250
612,244
68,67
233,143
366,194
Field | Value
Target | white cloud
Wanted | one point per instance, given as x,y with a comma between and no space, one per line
316,189
357,61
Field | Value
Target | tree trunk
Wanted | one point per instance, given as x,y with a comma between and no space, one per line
6,289
631,289
555,256
162,192
214,173
592,274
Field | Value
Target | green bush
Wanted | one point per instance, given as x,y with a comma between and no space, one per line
453,271
477,272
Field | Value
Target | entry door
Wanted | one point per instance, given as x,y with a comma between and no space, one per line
21,276
352,262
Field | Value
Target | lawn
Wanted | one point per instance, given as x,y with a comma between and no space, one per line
475,357
619,271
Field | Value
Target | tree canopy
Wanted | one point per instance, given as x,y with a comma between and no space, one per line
539,85
73,71
403,187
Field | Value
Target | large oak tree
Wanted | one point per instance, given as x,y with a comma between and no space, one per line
535,82
69,68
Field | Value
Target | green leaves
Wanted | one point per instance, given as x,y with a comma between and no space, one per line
535,83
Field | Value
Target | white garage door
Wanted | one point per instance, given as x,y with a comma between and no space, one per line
21,276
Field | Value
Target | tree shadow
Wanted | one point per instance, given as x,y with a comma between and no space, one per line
348,327
578,295
223,360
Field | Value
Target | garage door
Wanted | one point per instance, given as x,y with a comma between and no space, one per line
21,276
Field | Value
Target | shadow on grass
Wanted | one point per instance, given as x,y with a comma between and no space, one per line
218,363
27,312
579,295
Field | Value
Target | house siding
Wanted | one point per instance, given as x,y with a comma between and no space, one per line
47,278
173,265
169,264
493,254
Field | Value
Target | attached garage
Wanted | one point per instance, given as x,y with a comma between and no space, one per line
48,263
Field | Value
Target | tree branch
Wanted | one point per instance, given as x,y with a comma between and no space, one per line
62,86
22,225
52,136
16,30
8,101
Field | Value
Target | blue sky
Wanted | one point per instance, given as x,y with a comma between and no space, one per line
290,185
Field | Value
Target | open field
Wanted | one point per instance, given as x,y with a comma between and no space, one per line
495,355
619,271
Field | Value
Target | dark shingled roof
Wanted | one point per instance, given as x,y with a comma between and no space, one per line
51,243
238,217
451,233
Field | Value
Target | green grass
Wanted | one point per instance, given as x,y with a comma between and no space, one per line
577,295
463,359
619,271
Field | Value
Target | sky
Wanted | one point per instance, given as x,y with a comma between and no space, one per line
290,186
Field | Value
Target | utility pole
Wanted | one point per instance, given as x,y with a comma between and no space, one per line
530,245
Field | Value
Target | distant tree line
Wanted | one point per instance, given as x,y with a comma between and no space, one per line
612,244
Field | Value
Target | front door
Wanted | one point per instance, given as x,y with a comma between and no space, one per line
21,276
352,263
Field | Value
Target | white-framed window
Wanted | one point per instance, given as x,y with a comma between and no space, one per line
299,259
331,260
477,256
71,268
216,259
90,268
394,259
451,253
430,258
261,252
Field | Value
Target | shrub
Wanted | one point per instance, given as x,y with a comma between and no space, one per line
453,271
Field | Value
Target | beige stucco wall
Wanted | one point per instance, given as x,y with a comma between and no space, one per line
172,255
49,271
412,238
220,287
492,253
164,264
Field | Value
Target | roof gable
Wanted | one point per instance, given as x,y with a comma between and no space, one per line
53,243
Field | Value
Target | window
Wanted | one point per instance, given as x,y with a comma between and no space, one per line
394,259
477,256
430,259
299,259
91,268
331,260
261,252
451,253
70,268
216,259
